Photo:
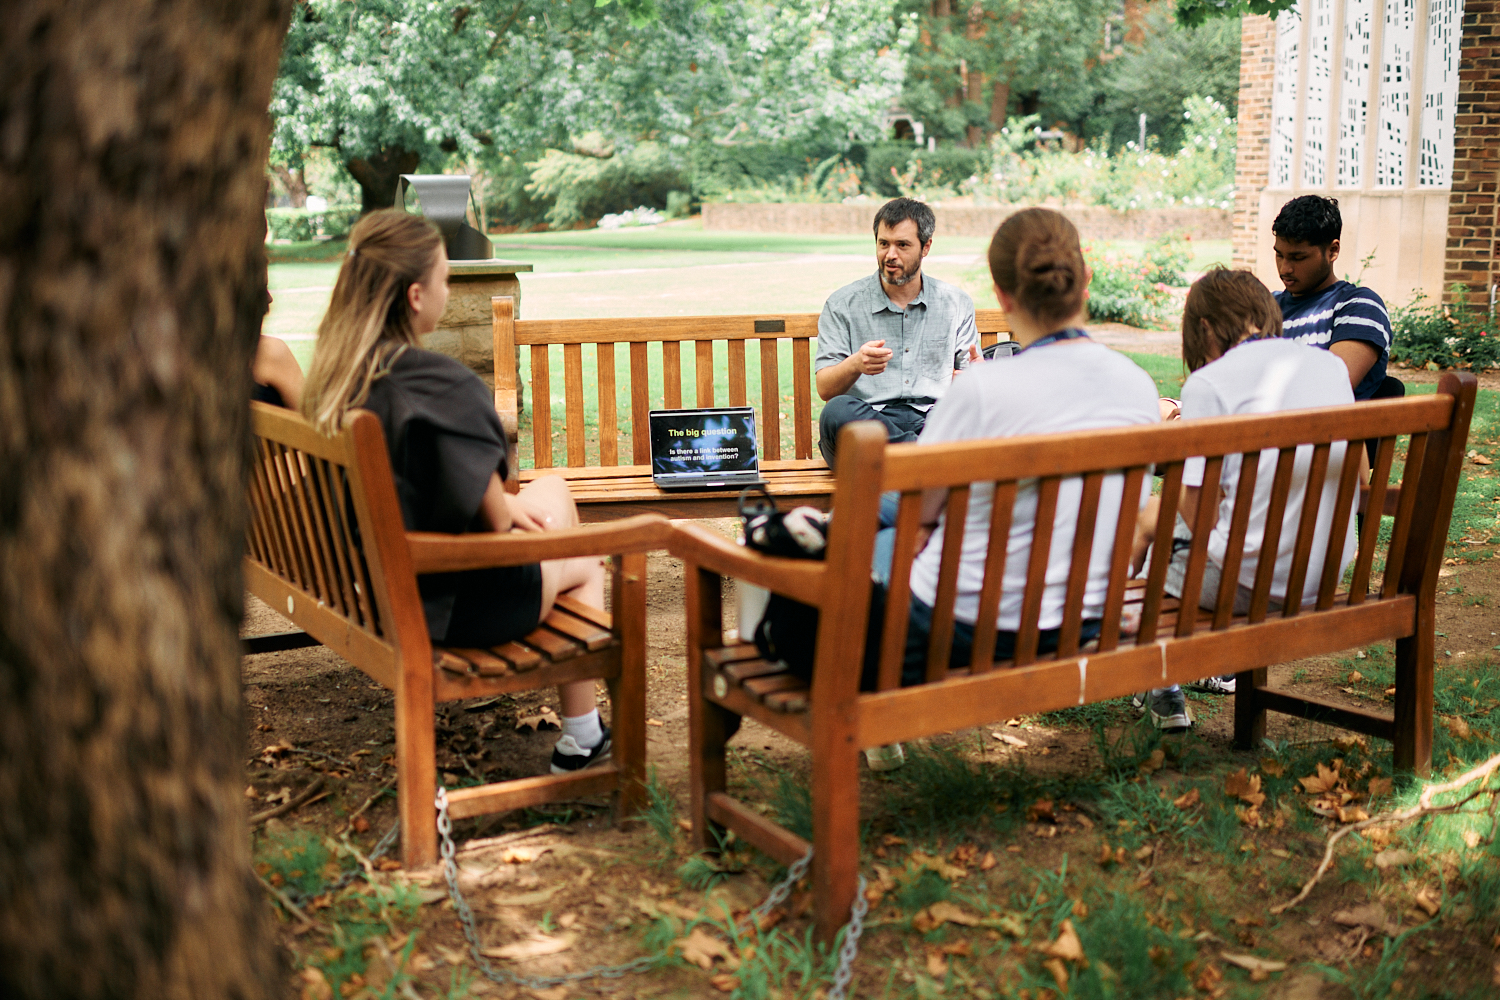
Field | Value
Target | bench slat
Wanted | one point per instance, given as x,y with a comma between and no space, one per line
1359,586
1036,571
1416,454
609,433
518,656
725,655
1239,526
940,638
541,408
790,700
759,687
1338,532
590,635
1307,525
746,670
485,663
1161,554
737,389
1002,509
801,399
1204,518
578,609
898,596
552,644
640,404
770,402
671,374
703,372
1270,545
573,402
1078,567
1119,566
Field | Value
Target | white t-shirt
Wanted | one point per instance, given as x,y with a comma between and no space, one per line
1068,386
1264,376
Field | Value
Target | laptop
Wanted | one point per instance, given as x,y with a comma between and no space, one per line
705,449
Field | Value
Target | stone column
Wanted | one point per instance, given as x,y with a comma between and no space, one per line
465,331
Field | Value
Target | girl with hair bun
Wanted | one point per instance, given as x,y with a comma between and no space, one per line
448,452
1060,380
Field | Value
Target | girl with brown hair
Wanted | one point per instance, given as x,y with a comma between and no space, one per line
448,452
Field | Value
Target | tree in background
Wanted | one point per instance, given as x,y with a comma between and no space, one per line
391,86
1154,76
132,286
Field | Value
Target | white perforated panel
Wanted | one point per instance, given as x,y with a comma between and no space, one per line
1319,86
1395,93
1354,92
1445,21
1284,98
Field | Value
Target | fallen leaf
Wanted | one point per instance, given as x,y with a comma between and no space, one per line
1067,946
1380,786
676,909
1348,742
315,985
1154,762
1106,856
1007,738
1458,727
655,722
535,946
943,868
937,963
1187,799
1008,923
1041,812
1354,678
1352,814
1371,915
988,861
725,983
1394,858
1252,962
1145,853
522,855
1279,853
943,913
1325,780
360,825
1271,767
1209,979
544,719
1245,787
1429,901
701,948
1471,839
1059,973
1479,459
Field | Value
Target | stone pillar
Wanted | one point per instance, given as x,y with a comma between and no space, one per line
1252,161
465,331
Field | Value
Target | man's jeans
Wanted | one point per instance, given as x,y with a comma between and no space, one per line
903,421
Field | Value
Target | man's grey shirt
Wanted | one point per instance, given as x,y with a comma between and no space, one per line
924,338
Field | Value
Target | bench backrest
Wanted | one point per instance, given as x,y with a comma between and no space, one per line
326,545
572,335
1411,558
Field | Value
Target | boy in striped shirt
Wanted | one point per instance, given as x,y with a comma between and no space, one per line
1320,310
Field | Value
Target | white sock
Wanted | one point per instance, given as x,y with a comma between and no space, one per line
585,729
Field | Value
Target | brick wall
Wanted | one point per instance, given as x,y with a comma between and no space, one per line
1252,163
1472,205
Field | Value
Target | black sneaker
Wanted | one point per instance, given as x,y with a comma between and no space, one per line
568,756
1215,685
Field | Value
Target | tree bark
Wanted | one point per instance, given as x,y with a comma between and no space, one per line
133,141
999,103
295,183
378,175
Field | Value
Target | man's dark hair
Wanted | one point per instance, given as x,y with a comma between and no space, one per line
1309,219
898,210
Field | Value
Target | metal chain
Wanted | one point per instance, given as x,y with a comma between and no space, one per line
847,953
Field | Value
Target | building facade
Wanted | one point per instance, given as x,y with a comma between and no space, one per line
1386,105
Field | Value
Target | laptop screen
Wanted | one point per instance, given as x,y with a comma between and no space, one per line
695,442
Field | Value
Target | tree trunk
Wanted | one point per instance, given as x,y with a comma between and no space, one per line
378,175
999,102
133,141
295,183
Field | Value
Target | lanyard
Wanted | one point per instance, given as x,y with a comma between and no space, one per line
1072,333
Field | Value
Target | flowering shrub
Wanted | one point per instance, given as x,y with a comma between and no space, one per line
640,216
1433,335
1200,174
832,180
1128,289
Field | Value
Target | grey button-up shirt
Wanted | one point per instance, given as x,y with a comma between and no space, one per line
924,338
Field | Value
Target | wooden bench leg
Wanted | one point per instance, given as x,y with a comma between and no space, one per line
835,796
1413,736
709,726
1249,715
627,693
416,764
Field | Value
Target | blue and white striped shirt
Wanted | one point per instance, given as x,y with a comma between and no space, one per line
1340,312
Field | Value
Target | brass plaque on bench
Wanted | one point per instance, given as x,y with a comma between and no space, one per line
770,326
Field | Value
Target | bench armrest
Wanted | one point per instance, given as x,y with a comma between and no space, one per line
433,552
801,579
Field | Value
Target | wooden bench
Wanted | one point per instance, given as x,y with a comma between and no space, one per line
610,481
327,548
835,720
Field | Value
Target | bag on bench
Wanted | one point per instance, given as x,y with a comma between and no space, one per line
788,629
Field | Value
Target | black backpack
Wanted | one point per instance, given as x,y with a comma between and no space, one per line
788,630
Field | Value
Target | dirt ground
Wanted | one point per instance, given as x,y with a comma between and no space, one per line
313,717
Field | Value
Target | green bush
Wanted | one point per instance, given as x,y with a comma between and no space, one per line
586,187
1128,289
299,224
1171,255
1433,335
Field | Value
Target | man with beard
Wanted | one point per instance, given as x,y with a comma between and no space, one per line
889,344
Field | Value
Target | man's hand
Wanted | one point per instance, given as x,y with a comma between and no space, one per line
835,380
974,358
872,357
